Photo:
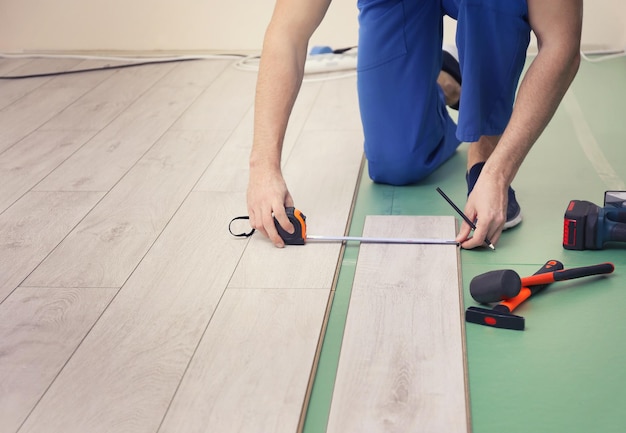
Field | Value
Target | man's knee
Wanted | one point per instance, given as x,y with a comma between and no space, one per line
399,172
409,162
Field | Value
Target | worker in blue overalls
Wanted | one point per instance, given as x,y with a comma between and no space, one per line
405,82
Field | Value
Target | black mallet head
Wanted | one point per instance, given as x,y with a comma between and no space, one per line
495,286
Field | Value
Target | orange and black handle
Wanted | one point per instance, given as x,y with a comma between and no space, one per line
568,274
507,306
500,316
298,219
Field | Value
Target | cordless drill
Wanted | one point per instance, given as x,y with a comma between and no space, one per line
590,227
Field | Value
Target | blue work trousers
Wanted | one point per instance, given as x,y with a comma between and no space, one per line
408,131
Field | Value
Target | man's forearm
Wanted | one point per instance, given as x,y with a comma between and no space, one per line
557,25
540,93
280,75
279,80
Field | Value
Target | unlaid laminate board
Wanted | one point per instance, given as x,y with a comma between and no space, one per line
39,330
252,367
402,365
108,156
125,373
31,159
33,227
109,243
107,100
223,104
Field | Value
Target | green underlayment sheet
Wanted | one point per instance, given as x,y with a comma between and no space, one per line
567,371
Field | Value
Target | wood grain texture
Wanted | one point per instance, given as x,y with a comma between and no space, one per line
269,338
108,156
13,90
127,370
89,80
31,159
8,65
222,105
321,172
33,110
110,242
229,170
336,109
196,73
98,107
33,227
39,331
402,364
136,190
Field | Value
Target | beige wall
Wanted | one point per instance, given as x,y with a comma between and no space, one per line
205,25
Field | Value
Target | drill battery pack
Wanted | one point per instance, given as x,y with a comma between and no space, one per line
587,226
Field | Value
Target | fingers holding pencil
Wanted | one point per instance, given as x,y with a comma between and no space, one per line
480,236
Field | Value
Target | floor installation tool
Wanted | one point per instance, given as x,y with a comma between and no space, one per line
299,236
501,315
507,288
500,285
589,227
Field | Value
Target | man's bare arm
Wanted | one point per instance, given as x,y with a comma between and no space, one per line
557,25
279,80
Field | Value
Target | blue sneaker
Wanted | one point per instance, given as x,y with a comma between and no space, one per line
513,210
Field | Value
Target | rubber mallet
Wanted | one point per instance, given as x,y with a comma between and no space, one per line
501,315
505,284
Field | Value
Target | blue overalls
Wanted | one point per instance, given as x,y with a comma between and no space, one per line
408,131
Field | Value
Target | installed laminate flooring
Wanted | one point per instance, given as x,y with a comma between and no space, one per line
125,304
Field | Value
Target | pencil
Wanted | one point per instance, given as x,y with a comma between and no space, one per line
467,220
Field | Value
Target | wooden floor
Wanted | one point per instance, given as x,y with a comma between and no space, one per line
125,304
402,366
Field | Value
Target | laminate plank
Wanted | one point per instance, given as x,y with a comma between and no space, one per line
108,156
106,101
222,105
195,73
39,330
8,65
33,227
252,367
88,80
334,112
402,363
31,111
31,159
13,90
109,243
123,376
229,170
321,173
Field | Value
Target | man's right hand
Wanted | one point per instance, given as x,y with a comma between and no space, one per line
280,76
267,198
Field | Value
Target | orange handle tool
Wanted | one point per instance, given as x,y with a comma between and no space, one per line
568,274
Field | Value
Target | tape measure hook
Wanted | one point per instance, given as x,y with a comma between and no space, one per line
243,234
